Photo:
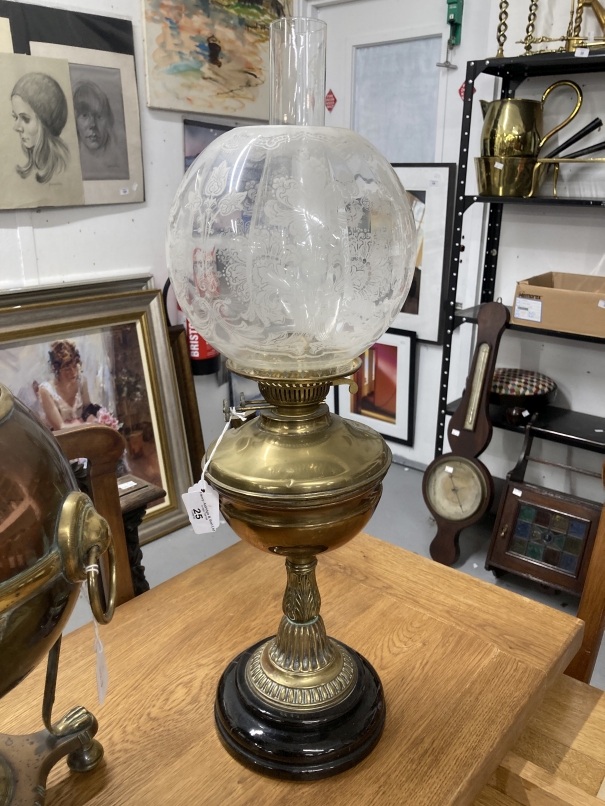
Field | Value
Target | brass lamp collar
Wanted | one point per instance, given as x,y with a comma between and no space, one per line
297,393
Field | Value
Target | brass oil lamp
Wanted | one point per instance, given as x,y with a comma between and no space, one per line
291,249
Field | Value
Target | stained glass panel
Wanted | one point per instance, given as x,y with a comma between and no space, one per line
549,537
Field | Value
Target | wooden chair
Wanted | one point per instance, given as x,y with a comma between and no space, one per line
103,447
592,608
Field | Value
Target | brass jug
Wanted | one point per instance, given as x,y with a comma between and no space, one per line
512,127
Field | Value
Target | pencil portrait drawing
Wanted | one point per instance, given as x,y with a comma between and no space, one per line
103,91
39,161
39,109
99,110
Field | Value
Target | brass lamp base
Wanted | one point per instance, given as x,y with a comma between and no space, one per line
301,746
297,481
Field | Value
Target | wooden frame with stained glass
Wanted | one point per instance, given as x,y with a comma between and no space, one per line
544,535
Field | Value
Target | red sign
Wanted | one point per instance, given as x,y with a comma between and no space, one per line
330,101
199,349
462,90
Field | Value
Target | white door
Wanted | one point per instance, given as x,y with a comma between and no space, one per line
382,70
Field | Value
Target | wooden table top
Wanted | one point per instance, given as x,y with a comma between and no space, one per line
463,663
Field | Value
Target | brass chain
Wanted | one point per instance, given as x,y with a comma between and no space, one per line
579,15
502,28
531,26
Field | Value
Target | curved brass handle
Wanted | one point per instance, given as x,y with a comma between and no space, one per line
83,535
558,128
93,572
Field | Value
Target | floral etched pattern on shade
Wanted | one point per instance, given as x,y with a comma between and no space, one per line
291,248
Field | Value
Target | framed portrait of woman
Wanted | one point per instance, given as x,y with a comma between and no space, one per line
102,356
106,110
40,164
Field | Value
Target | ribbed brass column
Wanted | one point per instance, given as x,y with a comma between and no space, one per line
301,668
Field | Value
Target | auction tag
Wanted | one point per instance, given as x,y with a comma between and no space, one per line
202,508
102,673
126,485
601,303
519,493
101,665
525,413
529,309
582,53
499,165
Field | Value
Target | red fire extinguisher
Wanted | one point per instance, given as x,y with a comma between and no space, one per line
205,360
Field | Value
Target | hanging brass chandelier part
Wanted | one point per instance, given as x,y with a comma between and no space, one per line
502,28
570,42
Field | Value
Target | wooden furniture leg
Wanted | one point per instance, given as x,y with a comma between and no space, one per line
592,608
103,447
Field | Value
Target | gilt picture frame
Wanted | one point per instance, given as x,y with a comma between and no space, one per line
430,188
111,338
385,395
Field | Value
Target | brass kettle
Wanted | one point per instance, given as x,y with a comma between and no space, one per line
512,127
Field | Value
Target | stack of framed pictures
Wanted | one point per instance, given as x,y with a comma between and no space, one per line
99,352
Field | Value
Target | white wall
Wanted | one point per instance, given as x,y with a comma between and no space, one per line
85,243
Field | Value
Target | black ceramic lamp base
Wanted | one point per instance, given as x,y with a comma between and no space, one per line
298,746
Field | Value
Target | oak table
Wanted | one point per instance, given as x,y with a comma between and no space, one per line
464,665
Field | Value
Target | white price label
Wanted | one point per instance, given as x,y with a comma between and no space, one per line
499,165
582,53
518,493
601,303
455,432
101,672
525,413
126,485
528,309
203,509
449,469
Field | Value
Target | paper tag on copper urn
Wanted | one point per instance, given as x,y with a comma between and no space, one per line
203,510
101,670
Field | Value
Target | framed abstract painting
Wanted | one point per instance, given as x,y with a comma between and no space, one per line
210,57
385,395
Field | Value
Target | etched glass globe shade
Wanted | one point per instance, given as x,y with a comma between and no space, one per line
291,247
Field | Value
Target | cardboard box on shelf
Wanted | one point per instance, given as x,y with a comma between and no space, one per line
572,303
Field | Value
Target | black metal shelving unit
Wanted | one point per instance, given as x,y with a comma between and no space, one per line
469,315
512,71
